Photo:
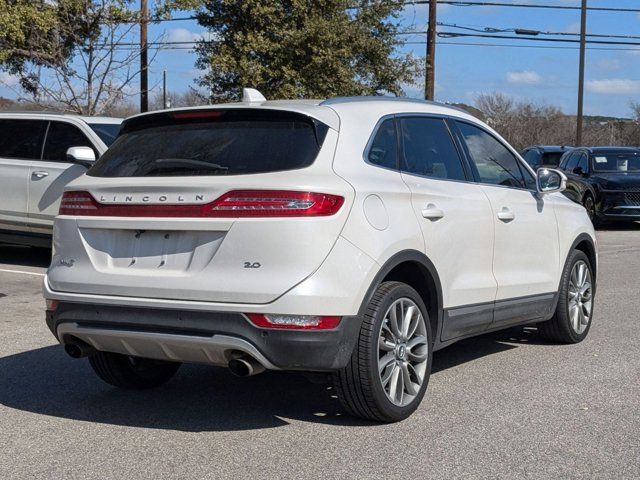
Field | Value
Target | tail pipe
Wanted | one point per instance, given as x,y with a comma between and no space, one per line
245,366
78,349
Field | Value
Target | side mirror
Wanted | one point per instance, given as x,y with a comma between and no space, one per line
551,181
578,171
82,155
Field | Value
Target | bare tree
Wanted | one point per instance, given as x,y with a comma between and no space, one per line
104,61
189,98
527,123
635,109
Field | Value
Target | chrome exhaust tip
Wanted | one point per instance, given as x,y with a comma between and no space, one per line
245,366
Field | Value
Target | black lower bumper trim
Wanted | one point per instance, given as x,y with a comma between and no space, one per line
310,350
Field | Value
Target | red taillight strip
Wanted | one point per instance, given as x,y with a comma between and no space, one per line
275,203
234,204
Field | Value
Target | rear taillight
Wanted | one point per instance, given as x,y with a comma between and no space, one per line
275,203
78,203
234,204
294,322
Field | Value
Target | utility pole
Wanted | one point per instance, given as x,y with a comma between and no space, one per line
583,43
430,73
164,89
144,72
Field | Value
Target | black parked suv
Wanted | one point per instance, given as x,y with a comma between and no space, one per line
606,180
539,156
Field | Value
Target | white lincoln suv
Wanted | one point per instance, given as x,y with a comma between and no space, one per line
352,236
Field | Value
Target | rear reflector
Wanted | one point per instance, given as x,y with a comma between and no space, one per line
297,322
234,204
52,305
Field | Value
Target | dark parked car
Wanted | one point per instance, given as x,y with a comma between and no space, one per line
606,180
544,155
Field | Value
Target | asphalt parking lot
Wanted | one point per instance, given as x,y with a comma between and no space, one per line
504,405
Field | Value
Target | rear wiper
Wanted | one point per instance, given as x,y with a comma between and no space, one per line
168,163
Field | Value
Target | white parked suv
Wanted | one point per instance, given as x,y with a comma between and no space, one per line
354,236
39,154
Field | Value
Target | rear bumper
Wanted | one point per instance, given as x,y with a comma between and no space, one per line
202,337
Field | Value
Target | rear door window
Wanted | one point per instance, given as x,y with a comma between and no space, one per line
106,131
429,150
21,139
61,136
212,142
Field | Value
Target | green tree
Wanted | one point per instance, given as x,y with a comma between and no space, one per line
303,48
26,29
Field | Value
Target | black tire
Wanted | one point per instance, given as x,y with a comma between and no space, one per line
559,329
358,385
589,204
127,372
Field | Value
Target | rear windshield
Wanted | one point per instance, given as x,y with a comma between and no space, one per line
551,158
212,142
616,162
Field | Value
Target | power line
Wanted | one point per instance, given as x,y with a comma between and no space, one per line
529,31
162,44
186,46
456,3
512,45
525,5
513,37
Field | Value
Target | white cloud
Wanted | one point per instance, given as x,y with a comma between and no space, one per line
8,80
186,36
573,28
622,86
524,78
610,65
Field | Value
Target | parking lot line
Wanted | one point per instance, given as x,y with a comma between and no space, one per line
21,271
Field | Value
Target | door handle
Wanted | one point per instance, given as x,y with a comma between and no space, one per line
431,212
506,215
40,174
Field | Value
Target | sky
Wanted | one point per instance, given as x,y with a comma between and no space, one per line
544,75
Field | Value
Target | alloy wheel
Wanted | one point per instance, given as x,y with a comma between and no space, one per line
403,352
580,295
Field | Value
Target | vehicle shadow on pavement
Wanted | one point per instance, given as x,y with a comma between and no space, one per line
45,381
25,256
619,227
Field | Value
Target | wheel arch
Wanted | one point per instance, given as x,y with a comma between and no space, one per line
588,192
416,270
586,244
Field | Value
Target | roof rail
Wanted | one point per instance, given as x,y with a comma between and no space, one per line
38,112
378,98
382,98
